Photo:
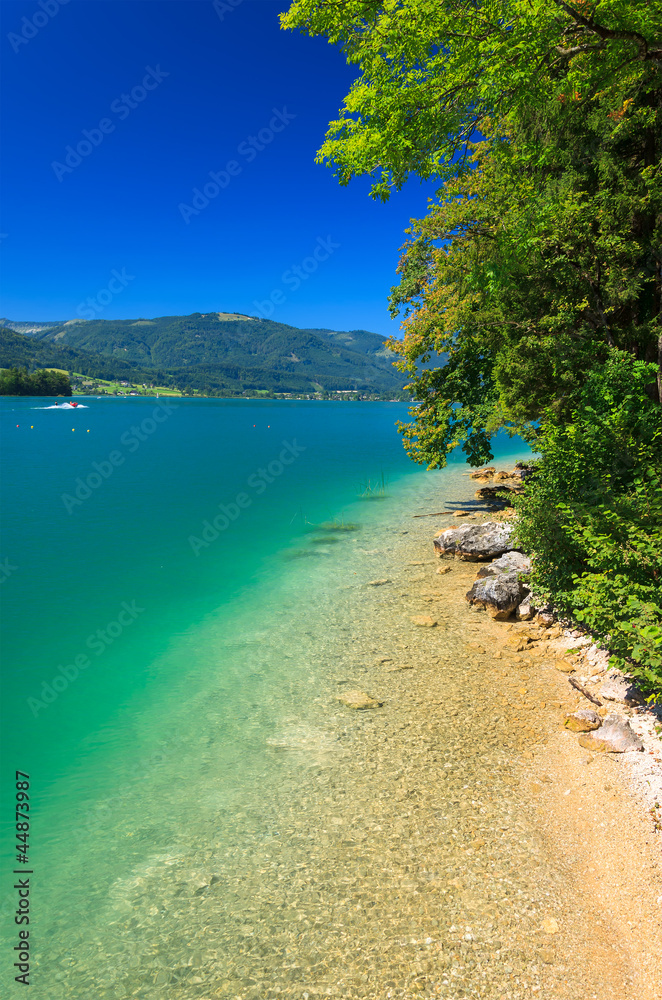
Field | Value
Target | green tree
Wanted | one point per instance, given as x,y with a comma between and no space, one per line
44,382
14,382
432,72
564,184
525,275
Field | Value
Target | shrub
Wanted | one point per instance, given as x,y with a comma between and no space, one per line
592,516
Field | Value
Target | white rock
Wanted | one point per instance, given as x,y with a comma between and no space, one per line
499,595
617,687
475,542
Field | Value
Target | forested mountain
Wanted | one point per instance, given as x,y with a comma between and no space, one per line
16,349
217,351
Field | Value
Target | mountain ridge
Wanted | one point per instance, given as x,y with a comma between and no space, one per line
215,351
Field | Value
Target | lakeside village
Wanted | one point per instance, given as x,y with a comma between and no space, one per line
82,386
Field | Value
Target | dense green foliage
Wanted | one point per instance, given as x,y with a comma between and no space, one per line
537,272
17,382
208,353
433,71
593,516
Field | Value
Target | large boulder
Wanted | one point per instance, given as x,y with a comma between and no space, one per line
499,595
509,562
614,736
475,542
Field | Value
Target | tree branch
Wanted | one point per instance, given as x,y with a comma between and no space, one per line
605,33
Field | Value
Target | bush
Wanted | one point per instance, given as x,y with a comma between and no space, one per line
592,516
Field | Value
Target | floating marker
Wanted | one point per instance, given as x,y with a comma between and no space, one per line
31,427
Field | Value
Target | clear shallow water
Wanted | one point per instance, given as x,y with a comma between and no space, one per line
78,562
208,820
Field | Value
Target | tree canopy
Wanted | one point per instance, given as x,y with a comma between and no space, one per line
432,72
543,122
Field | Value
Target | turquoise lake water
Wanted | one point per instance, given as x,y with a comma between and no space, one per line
77,563
84,544
170,582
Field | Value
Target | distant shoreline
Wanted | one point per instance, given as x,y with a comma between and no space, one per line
247,399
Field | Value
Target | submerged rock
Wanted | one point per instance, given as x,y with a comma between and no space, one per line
425,621
499,595
475,542
358,700
476,646
615,736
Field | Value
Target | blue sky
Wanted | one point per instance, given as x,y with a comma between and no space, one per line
169,96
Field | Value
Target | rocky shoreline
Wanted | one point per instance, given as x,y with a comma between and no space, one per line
611,715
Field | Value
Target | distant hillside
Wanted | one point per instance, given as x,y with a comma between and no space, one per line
217,351
17,350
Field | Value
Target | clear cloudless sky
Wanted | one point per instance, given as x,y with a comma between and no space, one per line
220,75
